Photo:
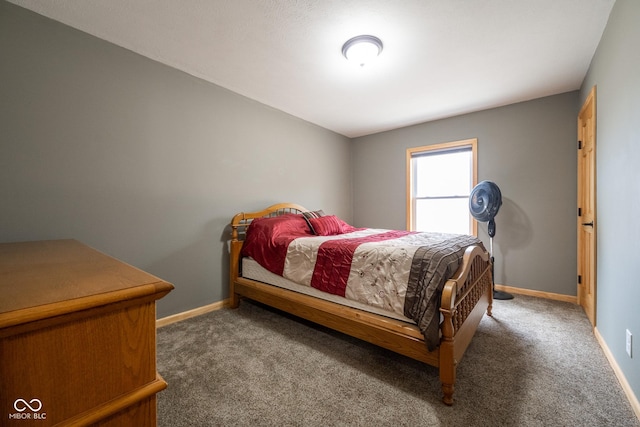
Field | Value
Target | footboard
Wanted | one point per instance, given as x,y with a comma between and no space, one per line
465,299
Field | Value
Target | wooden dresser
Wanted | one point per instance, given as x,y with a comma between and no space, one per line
77,337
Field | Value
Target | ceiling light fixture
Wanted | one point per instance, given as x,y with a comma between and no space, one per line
362,49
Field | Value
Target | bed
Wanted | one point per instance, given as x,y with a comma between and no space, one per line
444,311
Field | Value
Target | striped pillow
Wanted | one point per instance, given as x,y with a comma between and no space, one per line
329,225
312,214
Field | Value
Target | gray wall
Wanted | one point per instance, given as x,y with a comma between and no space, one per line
615,71
529,150
142,161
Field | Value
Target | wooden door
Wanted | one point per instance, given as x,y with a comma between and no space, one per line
587,206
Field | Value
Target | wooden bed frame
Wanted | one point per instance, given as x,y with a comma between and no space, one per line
466,296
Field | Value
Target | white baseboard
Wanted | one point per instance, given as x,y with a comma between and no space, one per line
539,294
191,313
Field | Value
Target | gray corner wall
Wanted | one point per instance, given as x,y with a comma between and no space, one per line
615,71
144,162
529,150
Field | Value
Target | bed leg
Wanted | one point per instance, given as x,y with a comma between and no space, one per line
447,386
447,390
447,371
234,300
234,269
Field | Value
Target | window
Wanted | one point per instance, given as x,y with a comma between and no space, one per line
439,181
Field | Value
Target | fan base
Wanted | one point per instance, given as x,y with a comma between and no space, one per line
501,295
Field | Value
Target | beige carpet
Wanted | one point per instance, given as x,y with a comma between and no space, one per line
535,363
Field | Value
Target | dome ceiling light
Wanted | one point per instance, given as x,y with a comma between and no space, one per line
362,49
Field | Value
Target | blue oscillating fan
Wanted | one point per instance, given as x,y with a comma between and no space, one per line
484,203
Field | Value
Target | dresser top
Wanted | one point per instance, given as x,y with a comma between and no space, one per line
47,276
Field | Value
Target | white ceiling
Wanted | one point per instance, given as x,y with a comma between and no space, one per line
441,57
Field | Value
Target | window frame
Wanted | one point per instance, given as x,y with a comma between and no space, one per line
434,148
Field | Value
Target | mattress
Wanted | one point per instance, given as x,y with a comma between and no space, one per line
254,271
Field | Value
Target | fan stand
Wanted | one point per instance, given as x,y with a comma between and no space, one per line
499,295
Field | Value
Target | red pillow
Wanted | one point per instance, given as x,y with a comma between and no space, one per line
267,239
330,225
276,226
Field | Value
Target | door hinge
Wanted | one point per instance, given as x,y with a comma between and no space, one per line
579,145
579,279
579,211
